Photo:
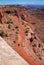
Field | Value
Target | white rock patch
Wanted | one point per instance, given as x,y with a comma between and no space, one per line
8,56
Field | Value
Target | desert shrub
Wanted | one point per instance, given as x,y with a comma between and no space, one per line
0,18
0,15
31,39
22,17
15,13
3,34
8,12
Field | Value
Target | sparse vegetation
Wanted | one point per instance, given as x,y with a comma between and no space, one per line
15,13
18,44
31,39
22,17
43,40
22,23
26,34
26,31
0,18
9,26
16,27
34,45
16,32
39,45
14,41
35,37
40,58
3,34
34,50
10,31
8,12
9,22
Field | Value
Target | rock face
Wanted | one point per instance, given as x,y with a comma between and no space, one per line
17,29
8,56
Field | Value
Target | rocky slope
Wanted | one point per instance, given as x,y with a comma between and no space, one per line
17,28
10,57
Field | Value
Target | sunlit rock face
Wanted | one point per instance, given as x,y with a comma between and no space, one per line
8,56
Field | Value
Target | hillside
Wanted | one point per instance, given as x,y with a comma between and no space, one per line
24,32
